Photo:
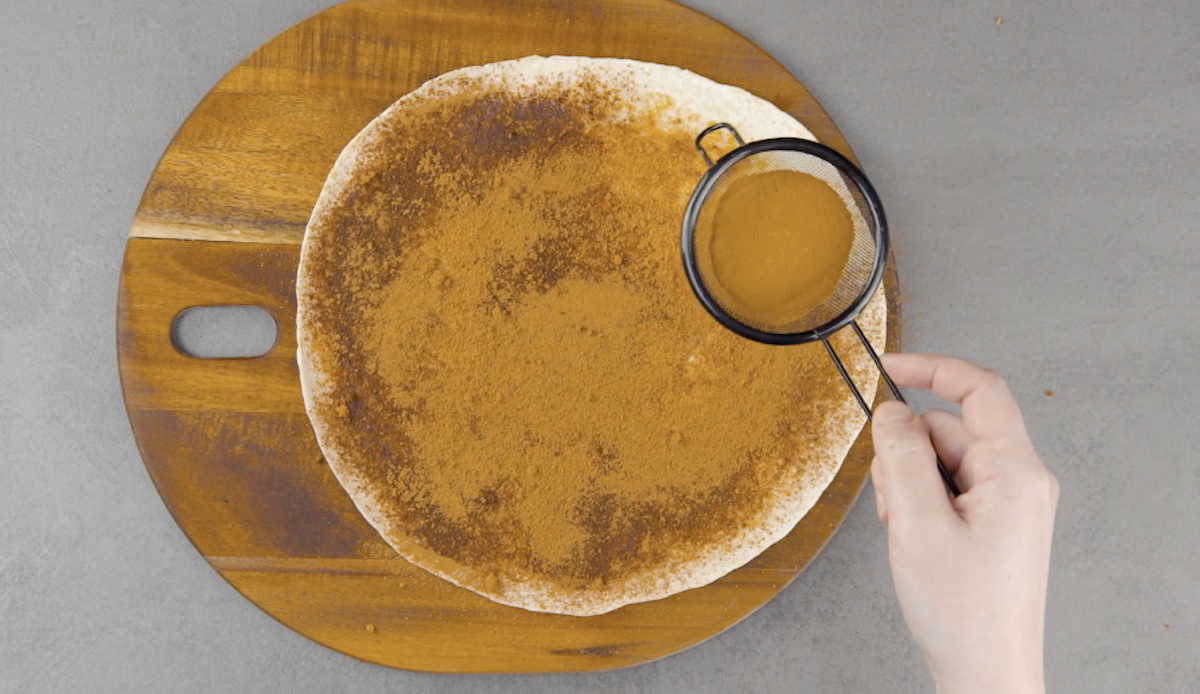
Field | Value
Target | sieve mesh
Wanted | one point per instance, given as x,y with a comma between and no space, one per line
861,264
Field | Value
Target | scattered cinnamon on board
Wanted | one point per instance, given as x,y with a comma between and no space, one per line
522,370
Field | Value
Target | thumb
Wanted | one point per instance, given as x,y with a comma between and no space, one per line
905,468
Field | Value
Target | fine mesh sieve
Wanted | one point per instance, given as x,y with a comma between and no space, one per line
858,281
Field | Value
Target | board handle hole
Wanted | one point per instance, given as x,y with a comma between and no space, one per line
224,332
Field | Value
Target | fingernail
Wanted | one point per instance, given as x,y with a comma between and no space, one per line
893,412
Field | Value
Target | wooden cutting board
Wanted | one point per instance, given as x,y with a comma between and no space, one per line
227,441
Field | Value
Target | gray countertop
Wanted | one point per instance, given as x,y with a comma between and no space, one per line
1042,179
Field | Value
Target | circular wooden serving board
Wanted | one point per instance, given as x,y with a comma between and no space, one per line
227,441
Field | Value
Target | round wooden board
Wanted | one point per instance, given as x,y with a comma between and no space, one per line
227,441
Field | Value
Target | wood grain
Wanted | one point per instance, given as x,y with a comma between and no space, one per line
227,442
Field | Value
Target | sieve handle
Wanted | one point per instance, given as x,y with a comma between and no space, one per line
711,129
946,478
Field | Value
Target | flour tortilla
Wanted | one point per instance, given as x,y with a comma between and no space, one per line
692,102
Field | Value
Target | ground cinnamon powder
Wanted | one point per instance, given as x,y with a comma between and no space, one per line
779,243
520,362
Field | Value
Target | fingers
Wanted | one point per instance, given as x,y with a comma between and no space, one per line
950,437
951,440
905,468
989,410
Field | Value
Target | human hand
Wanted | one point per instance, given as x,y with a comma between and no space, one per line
970,572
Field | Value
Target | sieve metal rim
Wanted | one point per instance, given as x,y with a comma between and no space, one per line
705,186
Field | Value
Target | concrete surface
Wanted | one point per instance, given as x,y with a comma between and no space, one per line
1042,179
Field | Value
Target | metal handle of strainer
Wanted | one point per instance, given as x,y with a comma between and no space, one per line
711,129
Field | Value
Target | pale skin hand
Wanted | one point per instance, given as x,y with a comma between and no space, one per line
970,572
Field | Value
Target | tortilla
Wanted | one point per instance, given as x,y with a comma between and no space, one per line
444,476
